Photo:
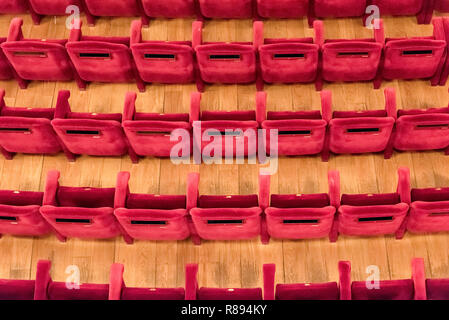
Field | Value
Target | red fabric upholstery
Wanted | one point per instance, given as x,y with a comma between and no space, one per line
227,8
151,217
228,217
114,8
53,7
399,7
299,132
303,216
283,8
162,61
362,132
102,59
422,130
416,58
19,213
79,212
37,59
150,133
13,6
437,289
169,8
6,71
429,211
350,60
229,294
288,60
442,5
89,133
27,130
339,8
224,62
119,291
237,128
16,289
375,214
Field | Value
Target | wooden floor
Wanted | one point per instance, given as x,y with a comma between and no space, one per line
225,264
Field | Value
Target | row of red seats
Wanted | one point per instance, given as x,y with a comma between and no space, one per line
101,213
309,60
313,9
417,287
140,134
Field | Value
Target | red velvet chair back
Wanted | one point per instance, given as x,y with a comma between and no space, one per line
362,131
162,61
13,6
279,9
16,289
303,216
19,213
101,59
375,214
89,133
53,7
235,9
170,8
27,130
153,217
218,129
442,5
419,130
150,133
114,8
416,58
36,59
224,62
288,60
338,8
227,217
407,289
350,60
299,132
80,212
429,211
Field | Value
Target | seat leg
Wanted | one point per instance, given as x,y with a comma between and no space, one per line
145,21
82,85
133,155
128,239
196,240
90,18
402,229
35,17
8,155
60,236
71,157
446,151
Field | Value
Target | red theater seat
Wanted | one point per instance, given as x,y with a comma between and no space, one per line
298,132
287,60
80,212
149,134
16,289
102,59
13,6
170,8
420,130
415,58
338,8
35,59
119,291
349,60
429,211
279,9
226,63
309,291
27,130
163,61
6,70
155,217
218,129
374,214
356,132
194,292
422,9
224,9
47,289
94,134
19,213
442,5
300,216
55,8
408,289
229,217
115,8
